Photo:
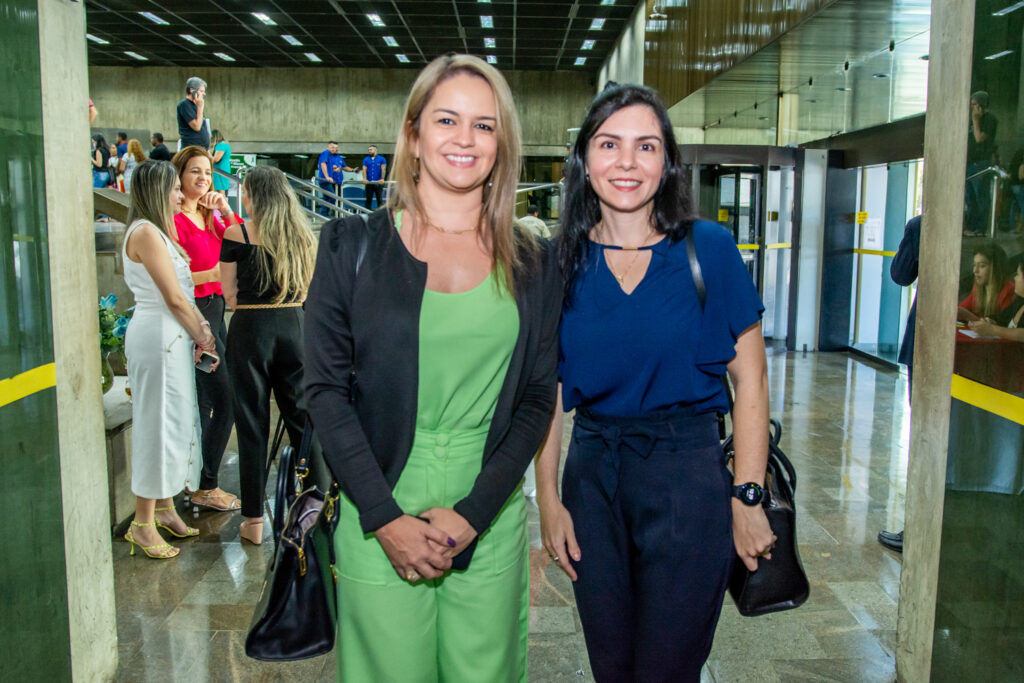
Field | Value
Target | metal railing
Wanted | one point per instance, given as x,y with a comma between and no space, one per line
998,175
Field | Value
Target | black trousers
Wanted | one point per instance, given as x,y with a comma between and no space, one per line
264,355
213,392
372,189
650,502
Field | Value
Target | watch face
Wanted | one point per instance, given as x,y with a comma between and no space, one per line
751,494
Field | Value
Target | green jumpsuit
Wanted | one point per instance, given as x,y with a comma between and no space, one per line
467,625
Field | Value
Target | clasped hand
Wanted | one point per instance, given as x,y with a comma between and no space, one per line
215,200
751,533
418,549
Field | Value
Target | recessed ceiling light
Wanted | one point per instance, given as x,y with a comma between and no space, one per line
375,19
264,18
1000,54
291,40
136,55
192,39
596,24
402,58
390,41
154,18
607,2
1006,10
486,21
484,1
97,40
224,56
311,56
580,61
588,44
489,42
491,59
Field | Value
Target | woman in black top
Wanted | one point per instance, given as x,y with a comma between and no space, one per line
265,271
100,159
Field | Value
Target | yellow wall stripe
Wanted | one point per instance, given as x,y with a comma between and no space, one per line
748,247
874,252
988,399
29,382
779,245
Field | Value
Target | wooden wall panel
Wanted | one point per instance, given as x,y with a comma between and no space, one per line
707,37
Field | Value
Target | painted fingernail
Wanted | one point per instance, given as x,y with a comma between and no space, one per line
451,542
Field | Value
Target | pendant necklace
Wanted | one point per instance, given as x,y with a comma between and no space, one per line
446,231
636,255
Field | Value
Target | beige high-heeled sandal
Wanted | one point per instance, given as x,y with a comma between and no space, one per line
251,529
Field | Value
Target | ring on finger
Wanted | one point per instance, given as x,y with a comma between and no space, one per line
411,575
554,558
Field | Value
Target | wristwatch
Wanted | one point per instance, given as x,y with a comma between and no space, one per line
749,493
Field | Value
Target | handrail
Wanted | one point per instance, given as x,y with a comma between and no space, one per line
994,170
998,175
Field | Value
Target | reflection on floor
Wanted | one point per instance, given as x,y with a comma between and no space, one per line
846,429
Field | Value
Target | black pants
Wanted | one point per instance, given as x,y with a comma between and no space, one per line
213,391
374,189
264,355
650,501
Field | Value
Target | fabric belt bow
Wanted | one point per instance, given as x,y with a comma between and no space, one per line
616,444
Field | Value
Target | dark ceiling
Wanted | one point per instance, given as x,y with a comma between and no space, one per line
528,35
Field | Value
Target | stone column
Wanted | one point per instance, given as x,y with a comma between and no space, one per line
949,81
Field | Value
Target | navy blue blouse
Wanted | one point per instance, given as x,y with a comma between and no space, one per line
632,354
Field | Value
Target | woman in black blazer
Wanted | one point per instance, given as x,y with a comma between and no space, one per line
431,370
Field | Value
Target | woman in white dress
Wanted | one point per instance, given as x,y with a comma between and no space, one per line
163,342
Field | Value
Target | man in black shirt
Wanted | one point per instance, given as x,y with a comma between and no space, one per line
981,147
159,151
192,128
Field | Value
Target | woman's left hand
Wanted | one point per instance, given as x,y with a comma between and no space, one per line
215,200
982,327
453,524
751,533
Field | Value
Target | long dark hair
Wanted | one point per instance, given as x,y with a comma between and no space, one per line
673,212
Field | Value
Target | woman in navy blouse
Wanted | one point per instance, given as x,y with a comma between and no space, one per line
648,525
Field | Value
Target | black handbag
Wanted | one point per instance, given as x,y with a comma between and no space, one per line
779,583
296,611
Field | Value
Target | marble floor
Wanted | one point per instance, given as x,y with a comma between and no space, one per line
846,428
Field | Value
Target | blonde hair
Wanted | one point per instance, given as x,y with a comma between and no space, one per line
152,182
284,234
509,243
180,162
135,149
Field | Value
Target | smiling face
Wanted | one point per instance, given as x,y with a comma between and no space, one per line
982,270
197,178
457,143
626,160
176,197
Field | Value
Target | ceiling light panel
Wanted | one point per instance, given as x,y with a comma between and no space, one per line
486,21
95,39
597,24
191,38
390,41
291,40
580,61
375,19
402,58
489,42
136,55
264,18
226,57
588,44
312,56
1006,10
154,18
491,59
606,3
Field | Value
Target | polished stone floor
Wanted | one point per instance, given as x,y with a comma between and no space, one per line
846,428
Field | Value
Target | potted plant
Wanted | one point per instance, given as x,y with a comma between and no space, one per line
113,326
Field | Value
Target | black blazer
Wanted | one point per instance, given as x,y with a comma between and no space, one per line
362,370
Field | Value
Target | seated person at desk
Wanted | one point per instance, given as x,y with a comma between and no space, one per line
1009,324
992,291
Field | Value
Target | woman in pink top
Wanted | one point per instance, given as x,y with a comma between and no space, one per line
200,232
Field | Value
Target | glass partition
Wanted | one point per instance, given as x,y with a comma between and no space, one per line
979,623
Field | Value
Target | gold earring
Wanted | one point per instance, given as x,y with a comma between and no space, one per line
416,173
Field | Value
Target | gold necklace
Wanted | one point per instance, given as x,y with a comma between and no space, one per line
446,231
636,255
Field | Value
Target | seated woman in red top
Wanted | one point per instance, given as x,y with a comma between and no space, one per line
200,233
992,291
1010,323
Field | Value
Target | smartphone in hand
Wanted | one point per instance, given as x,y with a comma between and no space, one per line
206,361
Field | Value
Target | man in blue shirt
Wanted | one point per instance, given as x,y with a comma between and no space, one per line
122,144
374,170
330,167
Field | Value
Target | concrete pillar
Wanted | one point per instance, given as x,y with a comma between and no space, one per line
949,81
